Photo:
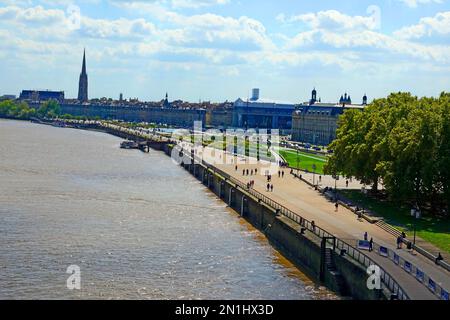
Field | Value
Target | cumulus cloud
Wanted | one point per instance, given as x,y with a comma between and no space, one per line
428,26
416,3
332,20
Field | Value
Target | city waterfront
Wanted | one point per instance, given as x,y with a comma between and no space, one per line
138,226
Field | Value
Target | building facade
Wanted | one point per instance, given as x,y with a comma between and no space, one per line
37,96
259,113
316,122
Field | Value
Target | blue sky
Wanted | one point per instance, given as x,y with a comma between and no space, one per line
219,49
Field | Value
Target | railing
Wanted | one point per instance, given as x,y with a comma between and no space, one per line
415,272
354,253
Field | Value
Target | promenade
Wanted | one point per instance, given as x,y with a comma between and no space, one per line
305,201
299,197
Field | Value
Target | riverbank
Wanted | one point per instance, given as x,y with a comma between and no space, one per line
137,226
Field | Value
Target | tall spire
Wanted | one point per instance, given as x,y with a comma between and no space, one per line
83,69
83,83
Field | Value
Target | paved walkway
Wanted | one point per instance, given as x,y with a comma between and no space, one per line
304,200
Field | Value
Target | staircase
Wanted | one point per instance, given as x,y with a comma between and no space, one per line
388,228
336,275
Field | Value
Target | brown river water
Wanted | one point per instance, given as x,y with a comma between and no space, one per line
138,226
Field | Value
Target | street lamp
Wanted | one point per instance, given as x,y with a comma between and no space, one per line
314,173
415,213
298,160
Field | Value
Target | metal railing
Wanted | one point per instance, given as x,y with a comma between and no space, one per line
415,272
351,251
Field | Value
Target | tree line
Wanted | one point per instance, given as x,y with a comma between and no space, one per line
51,109
402,142
21,110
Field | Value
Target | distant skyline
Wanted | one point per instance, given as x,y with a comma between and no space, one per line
215,50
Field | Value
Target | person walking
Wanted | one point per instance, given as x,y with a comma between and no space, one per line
268,187
282,174
271,187
399,242
336,205
235,168
371,244
365,236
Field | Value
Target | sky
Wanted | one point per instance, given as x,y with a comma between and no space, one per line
217,50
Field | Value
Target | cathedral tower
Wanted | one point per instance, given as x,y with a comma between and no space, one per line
83,83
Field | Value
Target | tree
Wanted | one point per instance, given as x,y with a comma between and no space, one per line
49,109
400,140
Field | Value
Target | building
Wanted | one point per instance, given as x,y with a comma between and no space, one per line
316,123
257,112
8,97
83,82
36,96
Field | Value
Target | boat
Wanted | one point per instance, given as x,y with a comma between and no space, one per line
129,145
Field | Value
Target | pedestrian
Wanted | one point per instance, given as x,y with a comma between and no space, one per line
279,174
247,171
399,242
313,226
365,236
243,172
320,178
282,174
439,258
235,168
251,172
256,171
371,244
268,187
336,205
346,183
271,187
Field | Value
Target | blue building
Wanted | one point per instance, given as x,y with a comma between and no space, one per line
36,96
259,113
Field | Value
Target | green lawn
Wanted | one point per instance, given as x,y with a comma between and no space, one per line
431,229
306,160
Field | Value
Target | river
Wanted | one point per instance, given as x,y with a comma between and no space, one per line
138,226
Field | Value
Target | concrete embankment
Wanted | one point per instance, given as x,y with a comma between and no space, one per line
311,253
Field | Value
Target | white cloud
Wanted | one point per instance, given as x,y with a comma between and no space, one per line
332,20
416,3
428,26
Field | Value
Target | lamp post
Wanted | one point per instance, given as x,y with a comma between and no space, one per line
335,186
415,213
298,160
314,173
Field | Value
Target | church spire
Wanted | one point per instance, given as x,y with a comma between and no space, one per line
83,83
83,69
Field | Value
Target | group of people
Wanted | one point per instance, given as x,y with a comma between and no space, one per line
246,172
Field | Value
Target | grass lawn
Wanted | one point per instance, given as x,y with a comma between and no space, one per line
306,160
431,229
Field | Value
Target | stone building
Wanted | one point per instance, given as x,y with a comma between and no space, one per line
316,123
